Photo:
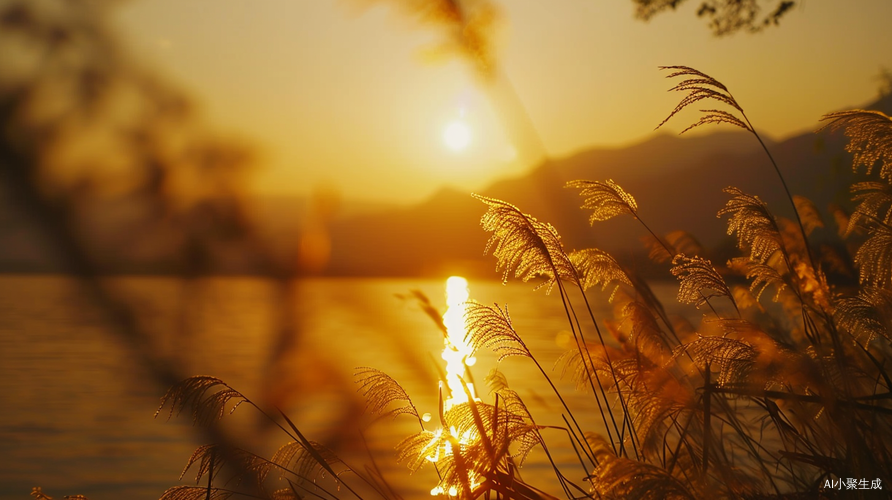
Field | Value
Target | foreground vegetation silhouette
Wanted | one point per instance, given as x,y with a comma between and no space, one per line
787,398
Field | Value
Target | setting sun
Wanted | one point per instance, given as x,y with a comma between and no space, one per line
457,135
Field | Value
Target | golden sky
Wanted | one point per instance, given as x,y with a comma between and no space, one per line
341,96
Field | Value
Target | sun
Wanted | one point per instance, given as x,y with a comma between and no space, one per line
457,135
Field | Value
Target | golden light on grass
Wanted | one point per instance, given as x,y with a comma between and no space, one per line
457,136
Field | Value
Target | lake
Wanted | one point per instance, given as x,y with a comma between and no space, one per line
78,404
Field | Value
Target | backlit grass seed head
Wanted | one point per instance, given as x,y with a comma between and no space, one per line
870,138
755,227
700,86
867,315
874,258
596,267
761,276
699,281
380,390
734,359
522,244
605,199
297,457
206,404
874,205
490,326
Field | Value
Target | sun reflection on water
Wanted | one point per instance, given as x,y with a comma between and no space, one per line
458,356
456,352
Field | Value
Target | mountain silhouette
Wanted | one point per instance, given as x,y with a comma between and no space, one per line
677,183
676,180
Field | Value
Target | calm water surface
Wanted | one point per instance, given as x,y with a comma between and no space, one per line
77,406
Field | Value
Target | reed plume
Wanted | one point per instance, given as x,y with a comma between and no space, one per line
700,86
756,228
380,390
874,257
605,199
524,245
596,267
761,276
490,327
870,138
699,280
867,315
206,404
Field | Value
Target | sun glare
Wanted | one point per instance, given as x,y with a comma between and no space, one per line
457,135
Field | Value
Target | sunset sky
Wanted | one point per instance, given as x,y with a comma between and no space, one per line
339,95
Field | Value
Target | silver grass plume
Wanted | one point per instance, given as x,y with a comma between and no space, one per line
646,335
733,358
698,280
522,244
294,457
466,27
870,138
755,227
380,390
597,267
874,205
874,258
700,86
210,459
761,276
205,456
867,315
38,494
414,449
207,405
514,405
490,326
605,199
496,380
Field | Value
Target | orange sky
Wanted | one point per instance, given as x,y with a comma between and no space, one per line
341,96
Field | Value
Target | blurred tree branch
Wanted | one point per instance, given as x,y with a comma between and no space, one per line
725,16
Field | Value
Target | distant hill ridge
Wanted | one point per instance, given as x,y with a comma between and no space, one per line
677,182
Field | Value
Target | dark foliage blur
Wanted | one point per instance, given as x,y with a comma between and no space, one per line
725,17
107,166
